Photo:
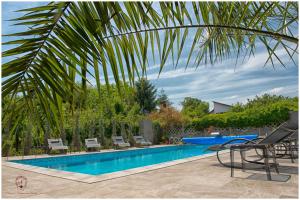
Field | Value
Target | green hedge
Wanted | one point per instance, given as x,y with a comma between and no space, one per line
274,113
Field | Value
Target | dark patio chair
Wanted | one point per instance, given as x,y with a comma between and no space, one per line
293,146
267,145
289,147
219,148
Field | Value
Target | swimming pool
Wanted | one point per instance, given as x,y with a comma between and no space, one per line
103,163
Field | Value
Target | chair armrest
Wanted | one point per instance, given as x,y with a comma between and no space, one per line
244,146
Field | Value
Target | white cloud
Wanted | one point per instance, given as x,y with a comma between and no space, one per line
232,97
287,90
172,74
276,90
224,83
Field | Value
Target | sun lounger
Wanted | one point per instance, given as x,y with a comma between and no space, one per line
119,142
215,133
289,147
92,143
293,121
267,145
140,140
56,144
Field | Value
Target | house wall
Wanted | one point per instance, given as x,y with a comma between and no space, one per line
220,108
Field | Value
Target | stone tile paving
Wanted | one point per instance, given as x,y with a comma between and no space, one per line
203,178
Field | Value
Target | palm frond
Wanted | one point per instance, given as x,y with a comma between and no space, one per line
71,41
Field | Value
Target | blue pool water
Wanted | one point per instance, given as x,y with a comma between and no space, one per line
217,139
101,163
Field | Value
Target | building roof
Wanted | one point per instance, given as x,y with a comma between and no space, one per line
222,103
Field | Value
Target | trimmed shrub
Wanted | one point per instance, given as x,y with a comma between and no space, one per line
274,113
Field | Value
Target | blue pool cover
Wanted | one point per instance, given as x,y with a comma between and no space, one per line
216,139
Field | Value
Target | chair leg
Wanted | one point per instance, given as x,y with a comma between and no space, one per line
232,162
291,152
274,160
267,165
242,159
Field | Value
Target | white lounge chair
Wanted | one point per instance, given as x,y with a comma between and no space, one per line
92,143
118,141
56,144
140,140
215,133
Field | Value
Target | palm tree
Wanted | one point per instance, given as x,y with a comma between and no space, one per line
69,41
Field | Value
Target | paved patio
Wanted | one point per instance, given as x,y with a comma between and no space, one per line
203,178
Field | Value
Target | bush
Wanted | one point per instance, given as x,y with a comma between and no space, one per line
167,117
164,120
274,113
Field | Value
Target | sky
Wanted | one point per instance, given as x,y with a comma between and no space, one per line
225,82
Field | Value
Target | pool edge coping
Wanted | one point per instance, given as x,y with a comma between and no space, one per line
86,178
11,158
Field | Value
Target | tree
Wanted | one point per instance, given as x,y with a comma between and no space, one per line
264,100
194,108
68,41
145,95
92,120
258,101
238,107
162,99
168,118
